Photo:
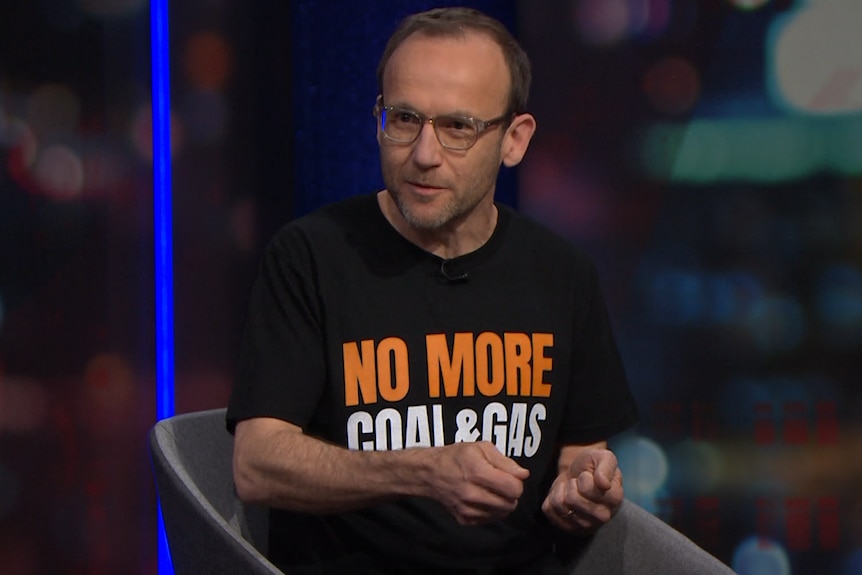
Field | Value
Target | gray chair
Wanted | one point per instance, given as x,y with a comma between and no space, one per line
208,529
636,542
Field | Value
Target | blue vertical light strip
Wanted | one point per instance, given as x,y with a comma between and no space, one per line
162,210
163,234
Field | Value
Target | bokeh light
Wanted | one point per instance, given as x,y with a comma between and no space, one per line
570,198
732,295
109,380
747,404
760,556
853,563
676,295
815,58
208,61
645,468
24,405
23,148
778,323
59,172
672,85
748,4
763,150
697,467
839,304
601,22
684,296
52,110
649,18
844,145
610,22
109,393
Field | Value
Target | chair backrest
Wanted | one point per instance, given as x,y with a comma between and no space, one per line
208,529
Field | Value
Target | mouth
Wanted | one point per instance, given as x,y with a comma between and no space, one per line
424,188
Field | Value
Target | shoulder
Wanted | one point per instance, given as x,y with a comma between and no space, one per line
328,223
350,211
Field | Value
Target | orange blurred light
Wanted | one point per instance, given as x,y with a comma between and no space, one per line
672,85
22,154
23,405
208,61
109,396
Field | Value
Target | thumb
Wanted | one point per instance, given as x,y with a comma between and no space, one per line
605,471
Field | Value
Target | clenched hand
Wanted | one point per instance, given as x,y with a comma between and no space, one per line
587,493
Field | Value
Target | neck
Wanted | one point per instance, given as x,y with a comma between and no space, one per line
459,237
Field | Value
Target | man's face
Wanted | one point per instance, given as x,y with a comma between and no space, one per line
432,186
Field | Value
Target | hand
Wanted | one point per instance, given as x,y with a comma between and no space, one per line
475,482
587,493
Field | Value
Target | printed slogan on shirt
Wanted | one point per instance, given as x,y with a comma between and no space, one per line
511,365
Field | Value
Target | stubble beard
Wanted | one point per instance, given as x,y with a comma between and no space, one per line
453,209
438,219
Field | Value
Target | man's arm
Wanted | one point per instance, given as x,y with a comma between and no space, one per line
276,464
588,489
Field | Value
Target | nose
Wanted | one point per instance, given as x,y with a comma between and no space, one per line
427,151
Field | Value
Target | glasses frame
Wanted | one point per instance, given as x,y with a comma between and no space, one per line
481,125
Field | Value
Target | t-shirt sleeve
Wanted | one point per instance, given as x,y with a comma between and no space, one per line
599,402
281,368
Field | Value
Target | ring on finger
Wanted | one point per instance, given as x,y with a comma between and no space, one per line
570,512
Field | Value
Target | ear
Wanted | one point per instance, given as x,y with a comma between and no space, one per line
517,139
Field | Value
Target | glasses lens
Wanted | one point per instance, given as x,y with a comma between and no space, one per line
401,125
456,133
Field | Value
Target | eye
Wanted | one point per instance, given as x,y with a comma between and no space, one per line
405,117
455,124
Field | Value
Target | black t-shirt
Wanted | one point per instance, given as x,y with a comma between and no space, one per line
365,340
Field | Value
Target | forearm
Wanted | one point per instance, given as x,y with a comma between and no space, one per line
275,464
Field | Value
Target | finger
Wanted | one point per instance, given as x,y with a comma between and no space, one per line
490,471
479,505
568,510
606,469
587,489
568,505
504,463
502,485
585,484
569,519
556,512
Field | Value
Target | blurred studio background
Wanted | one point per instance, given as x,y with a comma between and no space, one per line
707,153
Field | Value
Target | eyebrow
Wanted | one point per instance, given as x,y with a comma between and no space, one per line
454,113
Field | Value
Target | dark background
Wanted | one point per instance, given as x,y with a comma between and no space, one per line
706,153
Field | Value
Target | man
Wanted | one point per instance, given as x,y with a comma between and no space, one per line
428,378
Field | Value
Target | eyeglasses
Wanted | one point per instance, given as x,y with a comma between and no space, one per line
403,126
